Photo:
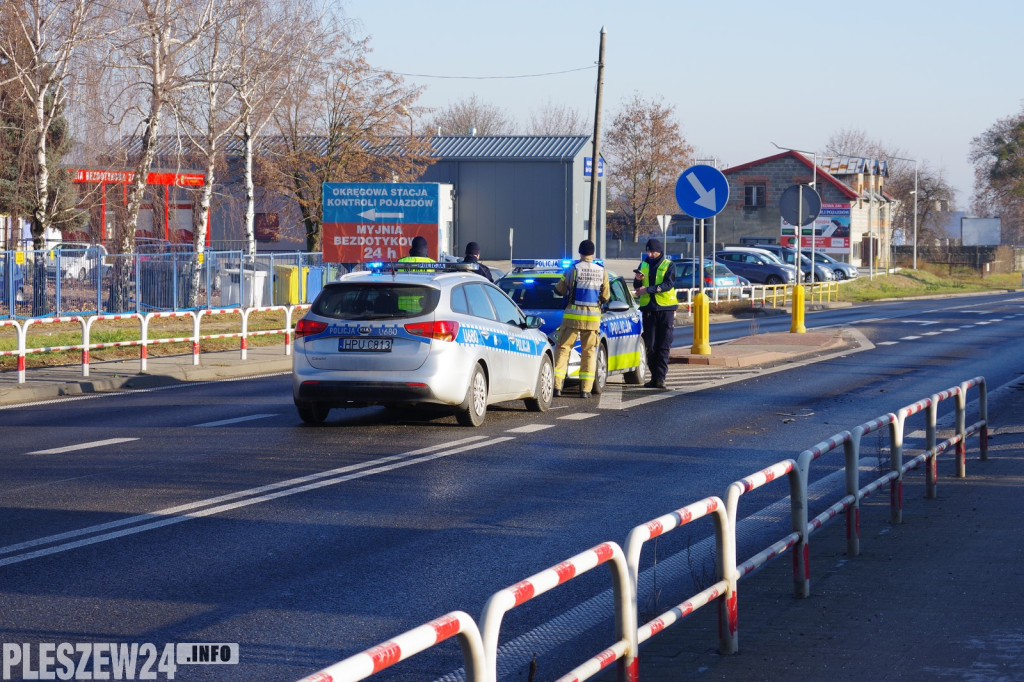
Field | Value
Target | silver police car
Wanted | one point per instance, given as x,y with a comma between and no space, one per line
418,333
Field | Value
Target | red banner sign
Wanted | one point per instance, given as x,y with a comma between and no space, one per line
367,242
177,179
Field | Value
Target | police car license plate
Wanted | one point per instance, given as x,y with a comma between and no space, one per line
366,345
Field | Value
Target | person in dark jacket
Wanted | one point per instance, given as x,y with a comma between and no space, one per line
655,287
418,251
473,256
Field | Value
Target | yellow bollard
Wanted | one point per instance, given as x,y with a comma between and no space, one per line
701,325
797,326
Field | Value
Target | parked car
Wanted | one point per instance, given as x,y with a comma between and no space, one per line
75,259
620,349
17,280
418,333
714,274
790,256
840,269
756,265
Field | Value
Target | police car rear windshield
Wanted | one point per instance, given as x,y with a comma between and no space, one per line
358,301
533,293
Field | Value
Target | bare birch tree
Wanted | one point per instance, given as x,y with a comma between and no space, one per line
38,42
155,54
273,37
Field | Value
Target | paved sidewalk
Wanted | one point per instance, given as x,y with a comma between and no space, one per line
53,382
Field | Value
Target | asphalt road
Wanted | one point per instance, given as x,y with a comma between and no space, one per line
209,513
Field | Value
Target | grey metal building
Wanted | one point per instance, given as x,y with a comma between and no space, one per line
532,184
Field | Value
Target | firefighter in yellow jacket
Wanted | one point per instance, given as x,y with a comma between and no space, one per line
586,285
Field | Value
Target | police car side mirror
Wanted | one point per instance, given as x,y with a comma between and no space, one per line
617,306
534,322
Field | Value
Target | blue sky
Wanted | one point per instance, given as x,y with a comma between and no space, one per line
924,78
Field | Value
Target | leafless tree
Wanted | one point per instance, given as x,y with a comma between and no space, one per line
37,44
209,113
274,38
555,119
646,152
852,142
156,54
935,196
346,124
470,117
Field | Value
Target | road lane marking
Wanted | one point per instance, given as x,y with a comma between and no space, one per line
887,343
949,329
909,338
224,422
83,446
577,416
530,428
292,486
931,333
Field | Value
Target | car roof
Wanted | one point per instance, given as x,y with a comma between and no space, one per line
415,272
743,249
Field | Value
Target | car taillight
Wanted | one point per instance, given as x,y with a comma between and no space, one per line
309,327
442,330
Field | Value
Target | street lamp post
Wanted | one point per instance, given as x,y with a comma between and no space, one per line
404,110
916,166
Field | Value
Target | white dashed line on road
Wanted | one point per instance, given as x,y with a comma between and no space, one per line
577,416
224,422
530,428
83,446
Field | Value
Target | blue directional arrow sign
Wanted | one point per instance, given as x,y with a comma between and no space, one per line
702,191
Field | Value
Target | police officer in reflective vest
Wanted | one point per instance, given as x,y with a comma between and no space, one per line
655,286
586,285
417,252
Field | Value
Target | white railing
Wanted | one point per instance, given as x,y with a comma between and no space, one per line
481,665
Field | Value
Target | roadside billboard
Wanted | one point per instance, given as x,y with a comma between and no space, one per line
371,221
830,231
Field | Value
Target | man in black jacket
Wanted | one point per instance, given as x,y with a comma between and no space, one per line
473,256
655,287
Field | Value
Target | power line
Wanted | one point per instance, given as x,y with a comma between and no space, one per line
525,75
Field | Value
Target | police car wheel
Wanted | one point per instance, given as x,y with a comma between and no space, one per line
474,407
311,413
638,376
600,370
545,388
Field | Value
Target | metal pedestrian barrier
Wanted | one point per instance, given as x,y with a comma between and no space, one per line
481,661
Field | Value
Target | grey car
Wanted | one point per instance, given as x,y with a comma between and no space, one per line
839,268
758,266
418,334
788,255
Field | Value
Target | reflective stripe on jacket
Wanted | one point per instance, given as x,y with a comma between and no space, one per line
588,283
662,299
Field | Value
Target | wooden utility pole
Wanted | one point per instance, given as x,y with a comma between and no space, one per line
594,161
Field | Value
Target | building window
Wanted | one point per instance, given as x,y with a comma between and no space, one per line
753,196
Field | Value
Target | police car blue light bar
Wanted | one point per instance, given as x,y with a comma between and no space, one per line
563,263
413,266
